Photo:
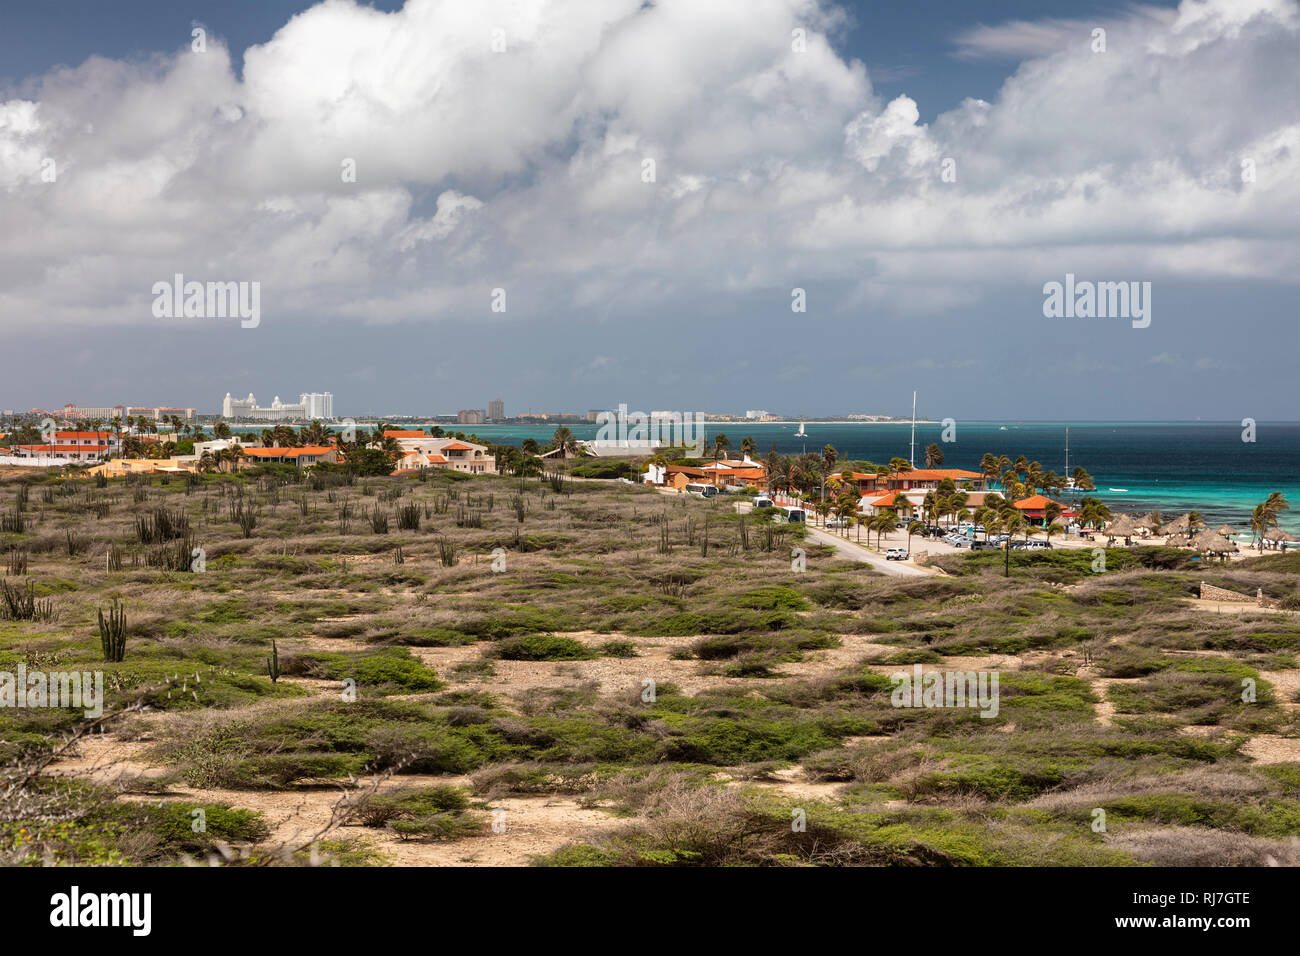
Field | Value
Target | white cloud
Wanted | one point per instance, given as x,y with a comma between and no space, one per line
523,169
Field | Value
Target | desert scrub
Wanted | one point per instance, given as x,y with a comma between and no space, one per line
542,647
429,813
1202,690
389,670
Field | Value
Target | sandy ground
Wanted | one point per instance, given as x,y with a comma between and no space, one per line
536,825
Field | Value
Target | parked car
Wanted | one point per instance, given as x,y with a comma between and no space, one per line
835,521
896,554
985,546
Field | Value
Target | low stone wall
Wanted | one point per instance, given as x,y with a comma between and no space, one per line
1210,593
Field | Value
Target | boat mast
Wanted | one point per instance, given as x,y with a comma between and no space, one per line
911,451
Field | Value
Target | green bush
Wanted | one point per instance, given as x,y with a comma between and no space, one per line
543,647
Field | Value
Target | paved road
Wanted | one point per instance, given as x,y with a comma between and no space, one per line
853,552
878,561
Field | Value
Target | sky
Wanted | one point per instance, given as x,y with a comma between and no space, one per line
797,205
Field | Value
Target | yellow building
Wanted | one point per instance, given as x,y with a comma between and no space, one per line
120,467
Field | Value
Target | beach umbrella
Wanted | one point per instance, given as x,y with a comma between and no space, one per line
1280,537
1178,541
1225,530
1177,525
1208,540
1151,521
1121,527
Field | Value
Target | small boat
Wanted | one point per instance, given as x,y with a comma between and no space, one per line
1121,491
801,433
1002,428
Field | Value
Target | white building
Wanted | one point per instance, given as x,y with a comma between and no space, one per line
309,405
318,404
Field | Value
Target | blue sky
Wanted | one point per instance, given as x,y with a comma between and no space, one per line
909,47
525,172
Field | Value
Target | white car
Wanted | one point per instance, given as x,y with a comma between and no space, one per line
896,554
835,521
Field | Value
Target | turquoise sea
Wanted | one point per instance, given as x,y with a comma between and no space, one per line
1172,467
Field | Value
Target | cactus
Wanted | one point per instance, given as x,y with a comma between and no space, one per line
112,633
273,663
408,518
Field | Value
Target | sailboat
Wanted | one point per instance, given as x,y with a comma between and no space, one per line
801,433
1070,484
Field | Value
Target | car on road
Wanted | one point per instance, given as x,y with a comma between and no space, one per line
896,554
835,521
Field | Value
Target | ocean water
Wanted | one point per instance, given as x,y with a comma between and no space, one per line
1172,467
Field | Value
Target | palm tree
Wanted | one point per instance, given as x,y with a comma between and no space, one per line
933,456
1093,512
914,527
778,471
829,457
747,447
563,440
883,523
822,508
846,507
1265,516
1033,477
221,430
720,441
1052,529
989,468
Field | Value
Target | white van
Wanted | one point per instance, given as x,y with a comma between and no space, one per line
701,490
761,502
794,515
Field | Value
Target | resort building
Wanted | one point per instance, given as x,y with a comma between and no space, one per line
496,410
721,474
1034,508
471,416
303,457
74,446
918,479
310,405
425,451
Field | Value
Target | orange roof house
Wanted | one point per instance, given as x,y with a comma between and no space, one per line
302,456
1035,506
918,479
